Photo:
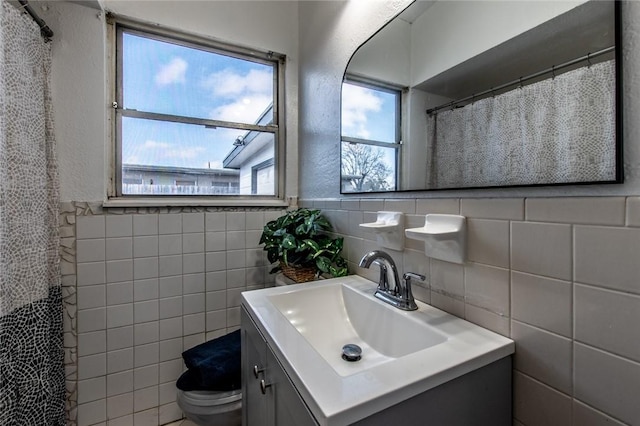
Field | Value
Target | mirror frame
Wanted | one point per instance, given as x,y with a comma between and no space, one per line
618,116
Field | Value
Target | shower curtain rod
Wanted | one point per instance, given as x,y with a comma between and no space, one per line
44,29
553,69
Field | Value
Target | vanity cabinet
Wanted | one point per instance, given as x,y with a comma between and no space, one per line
481,396
269,397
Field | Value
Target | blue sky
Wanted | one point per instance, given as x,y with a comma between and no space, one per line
171,79
368,114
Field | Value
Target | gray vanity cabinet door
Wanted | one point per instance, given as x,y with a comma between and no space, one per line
255,404
288,406
270,399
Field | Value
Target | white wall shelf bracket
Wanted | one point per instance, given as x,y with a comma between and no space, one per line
444,236
388,229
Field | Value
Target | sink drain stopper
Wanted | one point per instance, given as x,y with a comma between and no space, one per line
351,352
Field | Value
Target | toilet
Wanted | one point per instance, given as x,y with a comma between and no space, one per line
209,391
208,408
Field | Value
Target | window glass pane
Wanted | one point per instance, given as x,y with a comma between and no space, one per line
369,113
264,181
368,168
160,157
168,78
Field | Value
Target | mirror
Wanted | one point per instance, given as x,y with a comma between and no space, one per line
478,94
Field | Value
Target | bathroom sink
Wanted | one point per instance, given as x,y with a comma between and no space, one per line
404,353
333,315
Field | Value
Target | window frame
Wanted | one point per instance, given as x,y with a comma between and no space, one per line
116,26
381,86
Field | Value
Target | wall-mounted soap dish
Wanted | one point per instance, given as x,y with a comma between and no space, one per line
444,236
388,229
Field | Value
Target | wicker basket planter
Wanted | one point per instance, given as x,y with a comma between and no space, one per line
299,274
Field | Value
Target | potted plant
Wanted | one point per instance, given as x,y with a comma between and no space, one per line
298,241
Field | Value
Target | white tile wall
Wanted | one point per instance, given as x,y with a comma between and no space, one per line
92,412
493,208
607,382
592,210
92,296
119,383
119,405
119,248
91,389
145,224
608,257
118,270
92,250
438,206
119,293
559,276
543,355
88,227
585,415
119,226
538,404
92,343
542,302
541,248
170,223
608,320
488,242
487,287
215,222
145,246
149,287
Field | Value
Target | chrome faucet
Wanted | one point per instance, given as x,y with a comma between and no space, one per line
386,263
390,289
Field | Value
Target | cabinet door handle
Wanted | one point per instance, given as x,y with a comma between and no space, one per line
257,371
264,386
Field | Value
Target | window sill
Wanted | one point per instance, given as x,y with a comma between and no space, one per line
192,202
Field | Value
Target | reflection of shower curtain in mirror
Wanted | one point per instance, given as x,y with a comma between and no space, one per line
559,130
32,382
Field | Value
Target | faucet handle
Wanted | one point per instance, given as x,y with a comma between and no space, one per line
408,293
408,275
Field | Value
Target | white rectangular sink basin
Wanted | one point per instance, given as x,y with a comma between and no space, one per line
404,353
333,315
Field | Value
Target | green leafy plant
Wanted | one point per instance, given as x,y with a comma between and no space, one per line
299,239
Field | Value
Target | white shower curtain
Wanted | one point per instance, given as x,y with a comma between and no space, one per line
31,344
559,130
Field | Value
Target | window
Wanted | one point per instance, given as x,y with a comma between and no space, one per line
371,136
194,117
261,177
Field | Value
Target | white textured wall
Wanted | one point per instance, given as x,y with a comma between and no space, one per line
334,30
80,72
329,34
386,56
447,26
79,95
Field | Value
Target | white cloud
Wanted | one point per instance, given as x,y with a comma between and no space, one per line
132,159
151,144
184,153
357,102
244,110
162,150
228,84
173,72
248,95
